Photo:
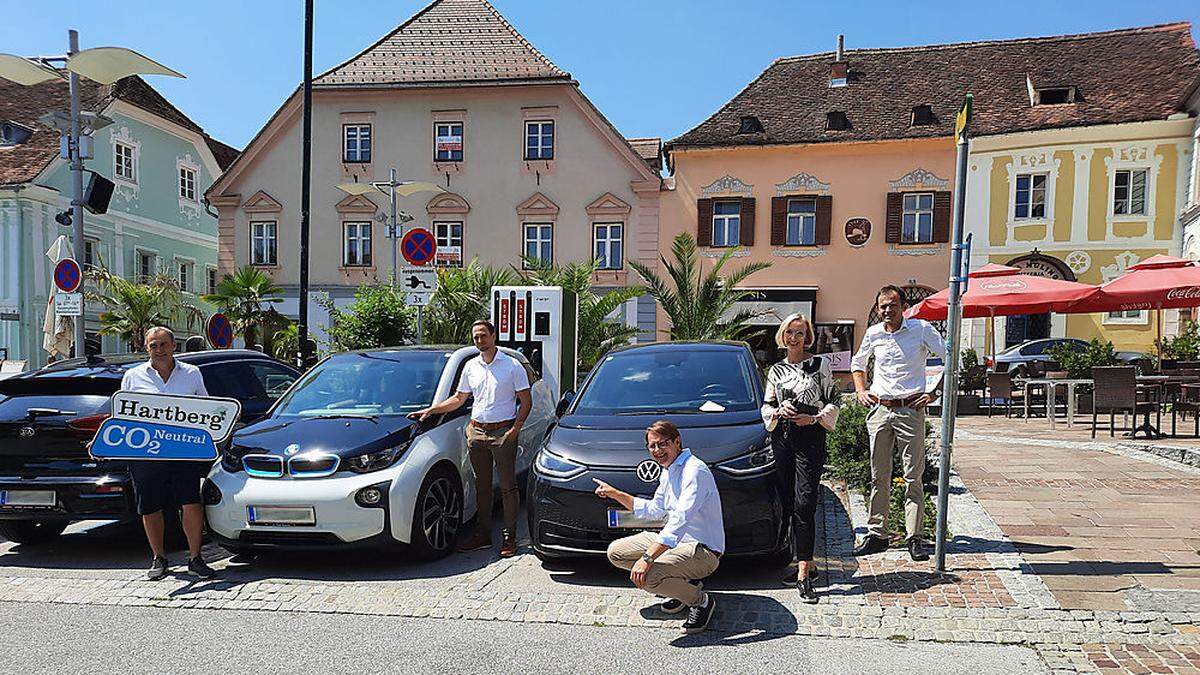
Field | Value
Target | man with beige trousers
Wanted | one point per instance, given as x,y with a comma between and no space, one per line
897,397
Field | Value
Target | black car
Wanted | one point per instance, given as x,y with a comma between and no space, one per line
47,417
712,391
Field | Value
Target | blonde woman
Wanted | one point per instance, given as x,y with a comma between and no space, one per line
801,405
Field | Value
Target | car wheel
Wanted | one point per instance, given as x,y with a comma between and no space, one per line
438,515
31,531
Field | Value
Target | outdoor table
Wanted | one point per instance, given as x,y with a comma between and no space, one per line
1156,384
1051,384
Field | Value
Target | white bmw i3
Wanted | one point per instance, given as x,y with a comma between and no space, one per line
336,462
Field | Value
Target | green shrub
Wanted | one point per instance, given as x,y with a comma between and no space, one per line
972,374
1078,361
378,317
1185,346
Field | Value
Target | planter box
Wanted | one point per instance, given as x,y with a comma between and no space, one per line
1083,403
967,404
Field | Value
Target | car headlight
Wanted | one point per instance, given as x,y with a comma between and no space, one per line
374,461
759,461
553,466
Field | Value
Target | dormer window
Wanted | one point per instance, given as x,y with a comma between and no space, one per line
750,125
836,121
14,133
1055,95
922,115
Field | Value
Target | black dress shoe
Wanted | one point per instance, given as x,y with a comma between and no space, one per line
871,544
808,595
916,550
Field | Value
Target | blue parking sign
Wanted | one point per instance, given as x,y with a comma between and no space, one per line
134,439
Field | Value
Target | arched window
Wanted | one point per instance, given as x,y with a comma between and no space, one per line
912,295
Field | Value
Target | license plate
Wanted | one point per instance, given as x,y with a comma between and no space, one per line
27,498
281,515
626,519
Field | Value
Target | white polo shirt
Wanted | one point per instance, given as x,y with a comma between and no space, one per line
185,379
494,386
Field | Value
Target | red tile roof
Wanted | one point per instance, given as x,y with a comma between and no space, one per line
649,149
21,163
1129,75
450,41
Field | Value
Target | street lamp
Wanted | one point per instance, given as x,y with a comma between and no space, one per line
391,188
100,64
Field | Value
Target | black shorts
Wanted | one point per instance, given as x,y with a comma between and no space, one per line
161,484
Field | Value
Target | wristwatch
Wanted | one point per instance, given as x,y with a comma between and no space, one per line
646,557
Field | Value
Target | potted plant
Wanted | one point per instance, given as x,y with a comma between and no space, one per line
972,379
1182,347
1078,361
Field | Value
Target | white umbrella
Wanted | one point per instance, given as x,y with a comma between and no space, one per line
57,331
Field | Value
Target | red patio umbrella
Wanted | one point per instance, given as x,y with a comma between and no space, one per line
999,290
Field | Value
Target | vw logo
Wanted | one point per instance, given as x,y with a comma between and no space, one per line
291,449
648,471
27,432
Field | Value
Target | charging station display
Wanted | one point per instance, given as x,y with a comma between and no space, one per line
541,323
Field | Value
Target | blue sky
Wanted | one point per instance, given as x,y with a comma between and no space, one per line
654,67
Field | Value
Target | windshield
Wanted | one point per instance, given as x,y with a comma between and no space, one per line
669,381
366,384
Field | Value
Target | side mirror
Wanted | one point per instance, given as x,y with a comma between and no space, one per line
565,402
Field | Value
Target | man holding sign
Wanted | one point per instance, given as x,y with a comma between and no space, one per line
161,484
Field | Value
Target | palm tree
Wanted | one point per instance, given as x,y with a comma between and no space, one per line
132,308
463,296
598,332
245,297
698,303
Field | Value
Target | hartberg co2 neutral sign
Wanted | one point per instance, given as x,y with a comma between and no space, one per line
164,426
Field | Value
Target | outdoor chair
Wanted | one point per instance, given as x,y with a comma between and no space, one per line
1185,402
1000,388
1115,390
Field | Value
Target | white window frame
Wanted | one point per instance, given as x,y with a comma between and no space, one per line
1032,191
805,223
187,192
187,265
727,224
125,169
543,243
535,129
139,255
1133,317
447,239
358,143
448,126
211,279
274,238
357,239
916,213
602,247
1146,196
94,244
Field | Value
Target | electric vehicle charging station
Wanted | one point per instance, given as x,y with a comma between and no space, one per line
541,322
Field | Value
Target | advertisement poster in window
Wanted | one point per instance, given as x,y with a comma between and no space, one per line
448,256
836,342
448,144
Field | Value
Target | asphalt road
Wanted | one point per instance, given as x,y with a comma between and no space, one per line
78,638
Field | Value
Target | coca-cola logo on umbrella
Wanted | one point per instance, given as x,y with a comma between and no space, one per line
1185,293
1002,285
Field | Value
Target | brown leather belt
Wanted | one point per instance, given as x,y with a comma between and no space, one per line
899,402
491,426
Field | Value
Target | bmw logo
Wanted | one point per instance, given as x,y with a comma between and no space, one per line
27,432
648,471
291,449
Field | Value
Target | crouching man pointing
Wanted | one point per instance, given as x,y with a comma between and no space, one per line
688,548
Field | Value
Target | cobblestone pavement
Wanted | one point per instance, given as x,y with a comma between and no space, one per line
991,593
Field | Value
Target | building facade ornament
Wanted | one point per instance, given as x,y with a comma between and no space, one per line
801,182
727,185
918,178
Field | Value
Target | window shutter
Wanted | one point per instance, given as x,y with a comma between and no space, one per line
824,219
704,222
779,221
941,216
895,214
746,229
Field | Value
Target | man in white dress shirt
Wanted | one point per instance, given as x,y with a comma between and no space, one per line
897,397
167,484
672,562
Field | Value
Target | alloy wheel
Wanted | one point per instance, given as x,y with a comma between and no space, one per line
441,514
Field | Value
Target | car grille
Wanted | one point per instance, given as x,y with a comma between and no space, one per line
313,539
263,466
312,465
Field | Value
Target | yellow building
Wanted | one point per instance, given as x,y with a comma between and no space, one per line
1085,175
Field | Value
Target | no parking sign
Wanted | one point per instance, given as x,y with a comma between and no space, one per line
418,246
219,331
68,275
